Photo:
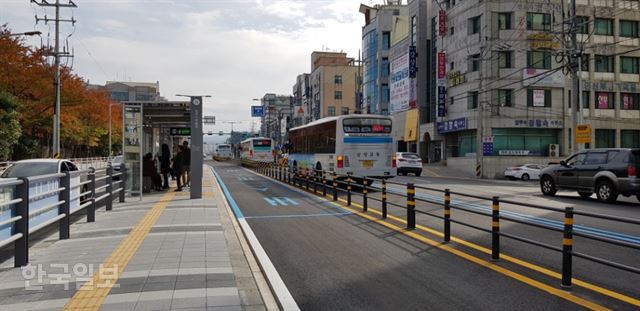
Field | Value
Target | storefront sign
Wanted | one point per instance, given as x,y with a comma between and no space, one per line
514,152
455,78
538,98
538,123
413,67
442,23
629,87
442,101
543,41
442,65
452,125
487,149
541,77
399,87
603,100
583,133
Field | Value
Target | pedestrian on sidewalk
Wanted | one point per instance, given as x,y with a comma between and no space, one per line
177,167
165,165
186,164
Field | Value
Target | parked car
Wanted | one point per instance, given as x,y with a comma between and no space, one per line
607,172
408,162
524,172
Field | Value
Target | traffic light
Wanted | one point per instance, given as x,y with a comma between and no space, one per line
220,133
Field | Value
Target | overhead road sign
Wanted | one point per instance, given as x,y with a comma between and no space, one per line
209,120
180,131
257,111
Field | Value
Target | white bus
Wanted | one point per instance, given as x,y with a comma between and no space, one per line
222,152
360,145
257,149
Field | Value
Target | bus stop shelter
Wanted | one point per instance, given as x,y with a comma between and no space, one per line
147,125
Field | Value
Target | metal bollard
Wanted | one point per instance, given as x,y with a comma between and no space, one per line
315,182
64,208
335,186
567,247
324,184
411,206
123,178
91,209
109,204
21,245
495,229
447,215
384,199
348,191
364,194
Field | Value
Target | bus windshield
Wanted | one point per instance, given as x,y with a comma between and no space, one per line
367,125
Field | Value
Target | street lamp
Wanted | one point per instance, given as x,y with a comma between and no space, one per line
26,33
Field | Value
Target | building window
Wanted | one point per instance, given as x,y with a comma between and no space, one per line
630,139
538,60
605,100
474,62
337,79
629,29
604,26
386,40
472,100
604,63
538,98
385,92
582,24
414,30
586,95
629,65
385,67
344,110
539,21
605,138
630,101
474,25
504,20
505,98
451,66
505,59
337,95
452,30
331,111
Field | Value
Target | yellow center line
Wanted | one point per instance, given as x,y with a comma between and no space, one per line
92,293
552,290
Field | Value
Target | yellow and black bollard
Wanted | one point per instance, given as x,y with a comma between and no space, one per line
567,247
348,191
447,215
324,184
364,194
384,199
335,186
495,229
411,206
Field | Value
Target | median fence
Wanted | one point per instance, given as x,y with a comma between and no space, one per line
330,184
30,204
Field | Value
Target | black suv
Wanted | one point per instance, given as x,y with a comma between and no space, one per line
607,172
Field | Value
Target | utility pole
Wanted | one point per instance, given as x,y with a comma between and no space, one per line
575,65
56,55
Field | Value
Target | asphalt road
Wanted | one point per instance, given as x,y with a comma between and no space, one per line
332,259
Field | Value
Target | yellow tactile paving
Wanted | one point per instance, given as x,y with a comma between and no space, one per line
91,295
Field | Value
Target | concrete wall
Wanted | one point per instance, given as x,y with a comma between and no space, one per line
494,167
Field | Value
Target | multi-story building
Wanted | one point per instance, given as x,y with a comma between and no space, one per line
376,43
301,100
122,91
275,122
333,84
507,90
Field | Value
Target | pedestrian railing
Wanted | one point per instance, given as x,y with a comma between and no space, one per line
332,185
30,204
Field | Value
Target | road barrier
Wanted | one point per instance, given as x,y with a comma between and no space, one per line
30,204
494,214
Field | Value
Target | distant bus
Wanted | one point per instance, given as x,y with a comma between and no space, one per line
222,152
360,145
257,149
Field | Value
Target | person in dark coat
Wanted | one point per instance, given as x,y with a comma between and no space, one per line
165,165
149,170
177,167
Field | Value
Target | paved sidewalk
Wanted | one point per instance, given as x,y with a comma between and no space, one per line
166,252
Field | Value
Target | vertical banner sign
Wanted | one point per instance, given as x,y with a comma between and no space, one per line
399,84
442,67
442,73
196,147
442,23
442,107
132,147
413,67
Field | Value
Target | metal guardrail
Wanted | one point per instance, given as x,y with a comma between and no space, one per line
321,181
32,203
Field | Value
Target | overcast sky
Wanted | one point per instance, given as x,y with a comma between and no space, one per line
233,50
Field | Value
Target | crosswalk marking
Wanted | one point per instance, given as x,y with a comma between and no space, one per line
246,178
284,201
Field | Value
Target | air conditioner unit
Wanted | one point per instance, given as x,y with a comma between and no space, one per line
554,150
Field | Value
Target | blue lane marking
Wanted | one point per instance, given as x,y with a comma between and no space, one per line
300,215
367,140
271,202
534,219
227,195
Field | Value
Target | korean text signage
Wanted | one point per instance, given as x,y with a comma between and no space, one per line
442,23
257,111
442,66
544,123
400,87
487,145
180,131
455,78
543,41
583,133
442,107
413,67
514,152
452,125
442,73
538,98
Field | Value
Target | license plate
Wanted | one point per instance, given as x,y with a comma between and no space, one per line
367,163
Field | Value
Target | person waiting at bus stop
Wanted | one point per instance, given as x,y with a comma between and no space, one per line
149,170
177,167
186,164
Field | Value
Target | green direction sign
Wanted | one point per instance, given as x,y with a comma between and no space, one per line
181,131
